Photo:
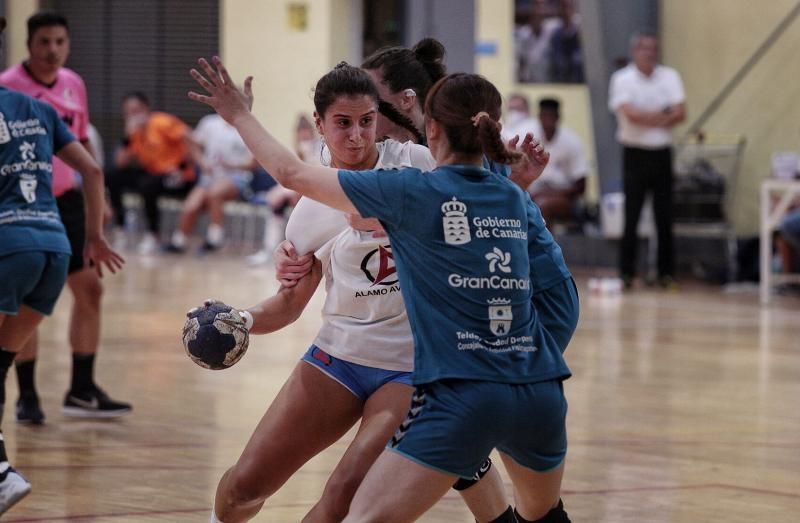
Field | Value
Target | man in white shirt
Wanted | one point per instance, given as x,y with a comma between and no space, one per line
648,99
560,188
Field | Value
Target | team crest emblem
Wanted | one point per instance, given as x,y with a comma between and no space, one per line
500,316
27,185
456,226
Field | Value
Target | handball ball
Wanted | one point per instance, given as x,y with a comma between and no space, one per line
215,336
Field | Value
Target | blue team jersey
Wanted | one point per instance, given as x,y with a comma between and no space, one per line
30,134
460,238
547,261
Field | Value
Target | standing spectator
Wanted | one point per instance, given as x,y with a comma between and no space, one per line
566,56
532,43
559,189
648,99
154,160
225,173
44,77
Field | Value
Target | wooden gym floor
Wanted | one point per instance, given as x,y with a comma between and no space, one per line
683,407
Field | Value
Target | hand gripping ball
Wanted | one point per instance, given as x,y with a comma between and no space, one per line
215,336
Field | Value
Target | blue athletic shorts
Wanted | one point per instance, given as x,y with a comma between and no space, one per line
453,425
558,308
33,279
361,380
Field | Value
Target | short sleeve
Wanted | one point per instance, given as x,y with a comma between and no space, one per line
579,166
201,132
378,193
421,157
312,224
676,92
618,95
61,133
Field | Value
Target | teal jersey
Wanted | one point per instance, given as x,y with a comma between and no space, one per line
30,134
460,236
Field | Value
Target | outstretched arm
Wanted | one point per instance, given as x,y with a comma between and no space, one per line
285,307
316,182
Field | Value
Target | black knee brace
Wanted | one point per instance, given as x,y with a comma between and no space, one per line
463,484
505,517
556,515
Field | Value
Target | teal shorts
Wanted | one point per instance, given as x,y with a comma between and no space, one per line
453,425
33,279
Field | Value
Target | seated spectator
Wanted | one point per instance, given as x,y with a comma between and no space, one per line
559,190
788,241
155,159
226,167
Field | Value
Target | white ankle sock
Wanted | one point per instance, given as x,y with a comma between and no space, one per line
179,239
215,234
214,518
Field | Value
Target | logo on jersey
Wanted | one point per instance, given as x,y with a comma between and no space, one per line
499,260
500,316
5,136
386,267
26,150
455,223
27,186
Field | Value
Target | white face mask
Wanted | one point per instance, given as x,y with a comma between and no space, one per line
514,118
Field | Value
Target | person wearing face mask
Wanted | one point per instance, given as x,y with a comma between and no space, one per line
517,120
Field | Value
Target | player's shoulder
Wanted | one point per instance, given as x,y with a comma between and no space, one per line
68,75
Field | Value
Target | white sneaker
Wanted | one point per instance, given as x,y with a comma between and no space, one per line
12,489
148,245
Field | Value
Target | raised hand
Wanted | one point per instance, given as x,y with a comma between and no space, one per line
223,95
535,158
97,253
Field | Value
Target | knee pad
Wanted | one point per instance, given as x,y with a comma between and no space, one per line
463,484
556,515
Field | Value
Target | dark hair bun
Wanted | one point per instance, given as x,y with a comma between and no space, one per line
429,50
430,53
341,65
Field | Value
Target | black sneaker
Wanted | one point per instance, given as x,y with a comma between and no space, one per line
93,403
29,410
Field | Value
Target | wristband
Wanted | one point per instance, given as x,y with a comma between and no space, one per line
248,319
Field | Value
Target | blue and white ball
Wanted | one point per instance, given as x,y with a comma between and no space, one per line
215,336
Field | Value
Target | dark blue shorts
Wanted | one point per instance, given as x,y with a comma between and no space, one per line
453,425
558,308
361,380
33,279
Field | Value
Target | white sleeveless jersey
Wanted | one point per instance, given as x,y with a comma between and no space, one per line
364,317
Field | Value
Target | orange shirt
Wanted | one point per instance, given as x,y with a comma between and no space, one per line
160,146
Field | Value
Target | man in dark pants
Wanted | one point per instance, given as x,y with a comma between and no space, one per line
648,99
